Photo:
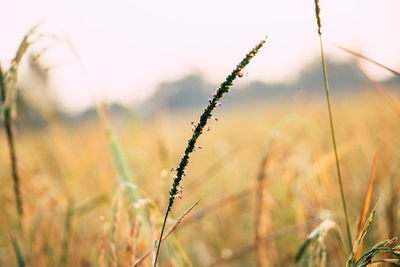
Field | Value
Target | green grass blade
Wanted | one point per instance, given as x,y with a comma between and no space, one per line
123,172
18,253
67,234
361,237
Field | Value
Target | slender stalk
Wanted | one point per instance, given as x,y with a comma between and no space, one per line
171,229
198,130
11,145
67,233
317,10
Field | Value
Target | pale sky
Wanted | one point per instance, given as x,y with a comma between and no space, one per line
127,47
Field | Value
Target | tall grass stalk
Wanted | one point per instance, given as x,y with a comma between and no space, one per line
67,234
262,221
198,130
18,252
8,126
317,10
8,81
122,170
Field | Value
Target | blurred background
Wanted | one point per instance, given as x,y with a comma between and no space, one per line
128,51
266,174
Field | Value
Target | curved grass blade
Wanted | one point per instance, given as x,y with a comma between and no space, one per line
316,240
368,59
123,172
368,196
18,253
357,244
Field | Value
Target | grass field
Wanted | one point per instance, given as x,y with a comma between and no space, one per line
307,181
63,167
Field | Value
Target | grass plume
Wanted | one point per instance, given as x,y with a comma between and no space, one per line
198,130
317,11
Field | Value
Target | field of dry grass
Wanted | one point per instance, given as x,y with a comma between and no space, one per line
260,185
265,174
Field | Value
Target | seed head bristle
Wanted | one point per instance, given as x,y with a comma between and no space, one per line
317,11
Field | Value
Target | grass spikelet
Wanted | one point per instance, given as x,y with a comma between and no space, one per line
317,11
316,241
198,130
11,75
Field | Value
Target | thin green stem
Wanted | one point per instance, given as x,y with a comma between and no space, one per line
198,130
334,143
317,11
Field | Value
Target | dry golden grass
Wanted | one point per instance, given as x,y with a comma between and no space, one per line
63,167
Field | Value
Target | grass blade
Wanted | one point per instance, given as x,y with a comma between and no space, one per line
67,234
393,102
108,253
316,240
219,203
357,244
265,239
8,89
8,125
123,172
18,253
368,196
368,59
